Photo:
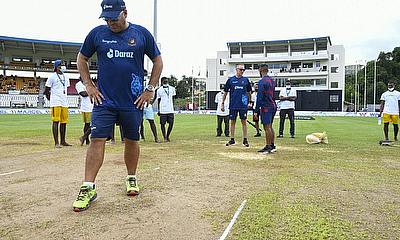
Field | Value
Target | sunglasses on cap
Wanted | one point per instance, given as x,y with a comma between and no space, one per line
241,69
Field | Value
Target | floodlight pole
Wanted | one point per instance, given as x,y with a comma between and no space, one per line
155,21
365,85
374,84
355,91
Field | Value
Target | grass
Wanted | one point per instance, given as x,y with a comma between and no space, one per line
347,189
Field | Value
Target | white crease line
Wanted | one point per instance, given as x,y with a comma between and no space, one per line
228,229
9,173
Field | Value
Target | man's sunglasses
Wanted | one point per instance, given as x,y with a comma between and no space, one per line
241,69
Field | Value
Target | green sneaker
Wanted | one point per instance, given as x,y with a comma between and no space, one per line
86,196
132,188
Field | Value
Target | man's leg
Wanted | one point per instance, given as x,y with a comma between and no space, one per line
153,129
226,123
131,156
55,134
396,131
291,119
219,125
86,133
233,125
269,134
63,132
282,116
94,158
386,131
142,130
163,121
257,124
244,127
170,125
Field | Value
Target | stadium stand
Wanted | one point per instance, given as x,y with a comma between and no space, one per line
22,57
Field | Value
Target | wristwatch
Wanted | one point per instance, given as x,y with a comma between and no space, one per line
150,88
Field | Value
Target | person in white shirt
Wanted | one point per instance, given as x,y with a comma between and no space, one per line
166,107
390,109
86,107
56,92
148,114
222,116
287,97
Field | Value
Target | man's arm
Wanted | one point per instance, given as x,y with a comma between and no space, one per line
223,101
381,107
83,67
146,97
47,92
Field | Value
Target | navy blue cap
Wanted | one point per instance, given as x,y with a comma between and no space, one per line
57,63
112,8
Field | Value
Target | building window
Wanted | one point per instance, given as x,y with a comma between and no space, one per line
248,66
334,98
334,84
334,57
222,72
334,69
320,82
317,64
294,65
308,65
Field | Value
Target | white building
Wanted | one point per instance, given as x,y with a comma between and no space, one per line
315,67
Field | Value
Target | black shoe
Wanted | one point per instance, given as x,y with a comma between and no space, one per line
227,135
292,136
257,135
245,143
272,148
280,136
265,150
231,142
218,135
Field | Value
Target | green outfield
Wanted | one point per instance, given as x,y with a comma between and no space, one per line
347,189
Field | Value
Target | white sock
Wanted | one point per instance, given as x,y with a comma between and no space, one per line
89,184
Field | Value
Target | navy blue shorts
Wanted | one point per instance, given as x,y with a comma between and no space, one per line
267,117
233,114
103,120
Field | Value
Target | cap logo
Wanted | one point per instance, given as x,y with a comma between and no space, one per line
107,6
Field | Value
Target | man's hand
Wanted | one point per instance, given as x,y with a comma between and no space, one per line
144,99
255,116
94,94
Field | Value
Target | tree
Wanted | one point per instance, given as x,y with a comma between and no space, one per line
387,68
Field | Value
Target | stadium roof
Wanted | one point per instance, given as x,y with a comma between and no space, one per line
279,46
277,42
34,45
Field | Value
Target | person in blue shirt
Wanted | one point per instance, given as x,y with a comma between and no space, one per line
120,47
266,108
239,89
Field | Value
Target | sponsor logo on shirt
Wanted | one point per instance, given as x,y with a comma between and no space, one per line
109,41
119,54
132,42
239,87
107,6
